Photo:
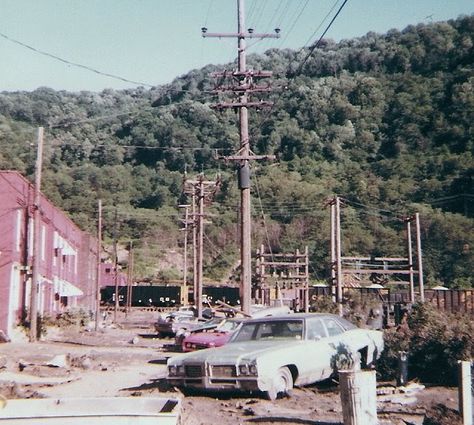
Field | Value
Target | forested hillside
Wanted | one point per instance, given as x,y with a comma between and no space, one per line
384,121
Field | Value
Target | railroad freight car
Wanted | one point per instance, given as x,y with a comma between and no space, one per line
143,296
167,296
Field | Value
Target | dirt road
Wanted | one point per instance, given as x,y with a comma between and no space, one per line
130,360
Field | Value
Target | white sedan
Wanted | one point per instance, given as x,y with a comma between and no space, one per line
273,354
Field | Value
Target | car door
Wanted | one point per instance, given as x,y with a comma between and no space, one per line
316,365
345,342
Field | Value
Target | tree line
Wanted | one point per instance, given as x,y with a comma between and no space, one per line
384,120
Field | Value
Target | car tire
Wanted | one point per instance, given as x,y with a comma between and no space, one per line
187,392
282,384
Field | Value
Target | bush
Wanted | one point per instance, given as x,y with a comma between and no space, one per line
67,318
435,342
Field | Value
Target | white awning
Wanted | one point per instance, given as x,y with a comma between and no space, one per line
66,289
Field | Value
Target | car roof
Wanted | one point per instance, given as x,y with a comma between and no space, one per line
294,316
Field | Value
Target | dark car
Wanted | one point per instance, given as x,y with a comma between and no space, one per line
169,324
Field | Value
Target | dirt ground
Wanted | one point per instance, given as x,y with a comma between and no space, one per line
128,359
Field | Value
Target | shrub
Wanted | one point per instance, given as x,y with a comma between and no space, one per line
435,342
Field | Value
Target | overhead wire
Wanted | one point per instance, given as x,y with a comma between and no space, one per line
258,14
78,65
295,21
272,18
320,25
316,45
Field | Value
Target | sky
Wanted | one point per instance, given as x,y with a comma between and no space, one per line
151,42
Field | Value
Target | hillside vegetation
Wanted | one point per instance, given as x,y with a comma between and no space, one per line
385,121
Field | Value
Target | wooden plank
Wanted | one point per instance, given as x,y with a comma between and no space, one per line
378,271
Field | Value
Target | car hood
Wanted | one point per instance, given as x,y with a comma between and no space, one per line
235,351
206,337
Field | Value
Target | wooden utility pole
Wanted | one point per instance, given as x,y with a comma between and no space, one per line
116,305
202,190
419,258
195,281
184,292
245,86
98,263
333,252
410,261
36,240
200,240
130,277
338,250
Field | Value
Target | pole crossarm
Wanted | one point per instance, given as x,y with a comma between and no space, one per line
244,34
226,105
239,74
247,157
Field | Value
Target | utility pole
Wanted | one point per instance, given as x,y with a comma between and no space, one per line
129,278
195,276
419,258
245,86
98,264
410,260
184,292
116,306
36,240
202,191
338,254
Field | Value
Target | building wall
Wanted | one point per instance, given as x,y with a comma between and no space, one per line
67,255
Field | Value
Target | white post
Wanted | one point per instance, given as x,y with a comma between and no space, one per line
465,392
358,397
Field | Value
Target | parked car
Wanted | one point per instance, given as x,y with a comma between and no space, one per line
273,354
191,328
207,338
169,324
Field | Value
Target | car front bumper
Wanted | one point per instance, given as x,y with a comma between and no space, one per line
208,383
217,377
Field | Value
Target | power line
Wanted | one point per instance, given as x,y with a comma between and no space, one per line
316,45
298,16
78,65
320,24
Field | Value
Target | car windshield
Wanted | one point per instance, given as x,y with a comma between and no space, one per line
228,326
272,329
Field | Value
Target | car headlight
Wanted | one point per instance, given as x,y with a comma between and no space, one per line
248,369
176,370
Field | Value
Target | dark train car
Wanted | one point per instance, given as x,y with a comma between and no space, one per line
143,296
166,296
155,296
229,295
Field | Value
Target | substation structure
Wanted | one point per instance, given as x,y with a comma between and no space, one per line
376,272
276,272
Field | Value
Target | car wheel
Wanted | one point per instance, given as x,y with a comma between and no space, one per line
282,384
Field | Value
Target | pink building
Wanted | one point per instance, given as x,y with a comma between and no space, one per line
67,256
